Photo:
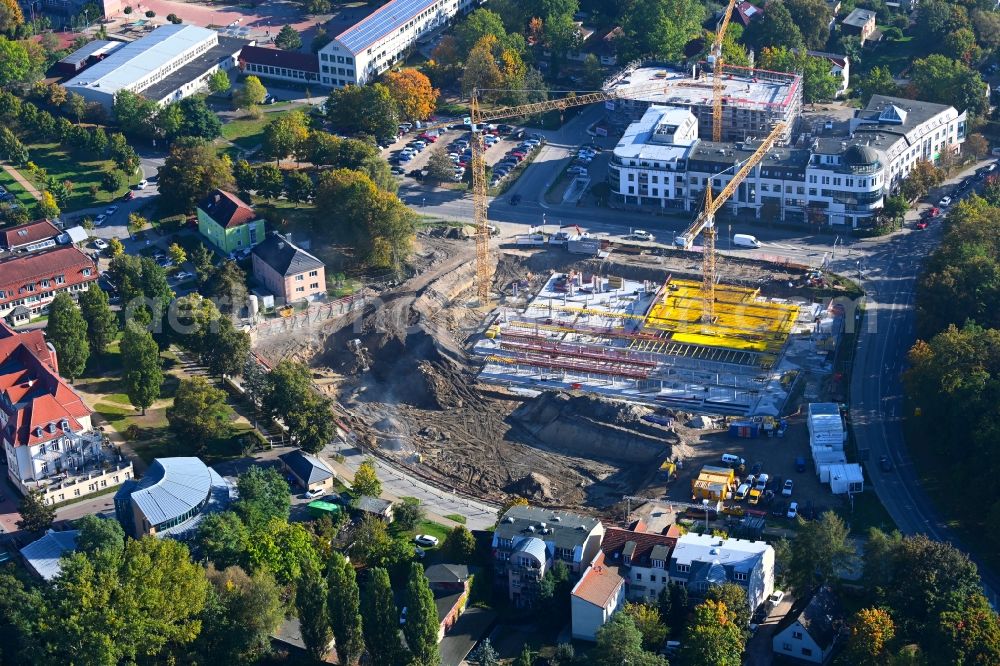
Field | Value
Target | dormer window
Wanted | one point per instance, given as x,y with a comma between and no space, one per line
38,431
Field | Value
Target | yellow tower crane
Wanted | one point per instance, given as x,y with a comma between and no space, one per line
715,59
705,222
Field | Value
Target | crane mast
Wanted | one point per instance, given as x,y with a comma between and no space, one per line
716,57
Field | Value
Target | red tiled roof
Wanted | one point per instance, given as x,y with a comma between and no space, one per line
259,55
40,399
228,210
615,539
599,583
24,270
31,232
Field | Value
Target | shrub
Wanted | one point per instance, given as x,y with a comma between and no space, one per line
150,14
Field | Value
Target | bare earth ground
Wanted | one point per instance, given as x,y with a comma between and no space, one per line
408,388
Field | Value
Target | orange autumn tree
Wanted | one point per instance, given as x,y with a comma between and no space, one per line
413,93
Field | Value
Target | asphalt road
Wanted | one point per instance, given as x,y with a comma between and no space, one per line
877,404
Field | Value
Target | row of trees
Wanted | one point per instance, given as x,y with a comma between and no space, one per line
141,117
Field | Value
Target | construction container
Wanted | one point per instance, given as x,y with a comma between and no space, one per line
744,429
846,479
713,483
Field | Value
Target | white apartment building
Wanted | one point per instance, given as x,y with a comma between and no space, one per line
700,561
373,44
836,180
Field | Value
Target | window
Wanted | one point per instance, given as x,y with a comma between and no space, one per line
683,568
313,273
739,576
787,647
807,652
298,289
314,285
299,277
797,635
663,579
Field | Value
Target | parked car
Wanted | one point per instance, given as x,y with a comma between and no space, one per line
786,490
922,224
800,464
642,234
142,184
426,540
101,244
100,219
111,211
884,463
793,510
397,170
776,598
313,494
945,202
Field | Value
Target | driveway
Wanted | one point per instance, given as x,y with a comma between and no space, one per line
758,649
470,627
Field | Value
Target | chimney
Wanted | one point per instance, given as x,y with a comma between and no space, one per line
281,245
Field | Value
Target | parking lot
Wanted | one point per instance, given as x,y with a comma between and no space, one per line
409,157
776,457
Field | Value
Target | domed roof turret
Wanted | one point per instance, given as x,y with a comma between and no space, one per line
860,155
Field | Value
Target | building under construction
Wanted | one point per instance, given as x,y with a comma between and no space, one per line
647,342
753,100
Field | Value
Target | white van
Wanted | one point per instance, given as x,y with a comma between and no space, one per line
745,240
742,491
732,460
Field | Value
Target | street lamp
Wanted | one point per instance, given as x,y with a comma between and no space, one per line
704,503
835,241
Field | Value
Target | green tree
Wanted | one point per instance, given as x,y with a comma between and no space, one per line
264,497
660,27
310,424
283,549
966,635
228,351
191,170
364,109
36,514
97,533
460,545
197,119
922,177
735,599
139,605
553,604
47,206
310,602
366,480
15,64
421,628
485,655
812,17
66,329
373,545
344,608
820,550
288,39
476,25
775,28
818,83
407,513
895,207
241,613
678,606
270,182
288,385
177,254
380,622
647,620
440,166
976,145
142,367
713,638
251,94
223,538
199,413
218,82
939,79
204,265
113,180
135,114
286,135
298,186
526,658
620,642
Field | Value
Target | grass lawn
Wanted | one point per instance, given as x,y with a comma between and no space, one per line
868,512
297,217
21,195
897,56
248,133
458,518
62,165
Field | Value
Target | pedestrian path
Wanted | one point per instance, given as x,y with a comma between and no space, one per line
22,181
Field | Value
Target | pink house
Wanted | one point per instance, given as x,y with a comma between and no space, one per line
288,271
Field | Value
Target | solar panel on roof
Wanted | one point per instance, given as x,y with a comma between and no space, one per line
381,23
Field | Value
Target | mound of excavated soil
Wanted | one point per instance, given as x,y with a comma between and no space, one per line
595,427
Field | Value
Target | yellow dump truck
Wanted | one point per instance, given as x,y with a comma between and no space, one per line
713,483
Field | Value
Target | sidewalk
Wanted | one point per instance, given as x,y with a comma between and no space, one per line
22,181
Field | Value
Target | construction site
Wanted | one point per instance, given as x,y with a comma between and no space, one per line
753,100
647,342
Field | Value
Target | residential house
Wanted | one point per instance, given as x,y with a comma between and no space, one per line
700,561
604,45
48,440
29,282
288,638
745,12
171,498
529,540
43,557
860,23
840,68
309,472
373,506
834,7
596,596
644,558
37,235
810,630
287,270
228,223
450,585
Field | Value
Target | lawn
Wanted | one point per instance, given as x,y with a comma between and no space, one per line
868,512
897,56
290,216
20,194
248,133
62,165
